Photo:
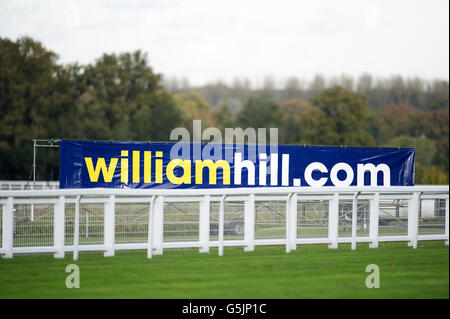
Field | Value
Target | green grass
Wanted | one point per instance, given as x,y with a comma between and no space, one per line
312,271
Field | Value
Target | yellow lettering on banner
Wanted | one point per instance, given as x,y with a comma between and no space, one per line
124,168
94,174
147,166
186,165
136,166
212,167
158,168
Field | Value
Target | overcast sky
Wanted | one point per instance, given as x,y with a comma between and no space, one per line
207,40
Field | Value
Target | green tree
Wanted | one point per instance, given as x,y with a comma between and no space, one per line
425,148
30,92
259,111
123,99
224,118
117,97
338,117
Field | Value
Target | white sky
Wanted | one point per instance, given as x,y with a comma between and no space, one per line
206,40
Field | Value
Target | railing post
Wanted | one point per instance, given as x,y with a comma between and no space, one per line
221,222
249,223
288,226
354,220
374,220
446,221
333,221
204,224
8,224
413,219
76,228
109,231
293,222
158,225
59,227
150,228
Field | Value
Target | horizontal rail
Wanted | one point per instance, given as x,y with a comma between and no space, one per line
439,189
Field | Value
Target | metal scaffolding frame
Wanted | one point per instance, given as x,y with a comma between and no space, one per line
42,143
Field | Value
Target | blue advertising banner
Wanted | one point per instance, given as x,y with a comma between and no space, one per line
88,164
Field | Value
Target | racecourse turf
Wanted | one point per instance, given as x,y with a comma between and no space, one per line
312,271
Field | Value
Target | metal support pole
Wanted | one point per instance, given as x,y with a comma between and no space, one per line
34,164
86,224
34,177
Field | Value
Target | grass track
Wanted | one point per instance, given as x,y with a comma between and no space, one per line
312,271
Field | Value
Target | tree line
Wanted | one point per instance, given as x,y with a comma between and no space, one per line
423,94
120,97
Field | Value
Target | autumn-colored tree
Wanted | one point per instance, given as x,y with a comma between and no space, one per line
430,175
194,107
436,128
292,110
401,119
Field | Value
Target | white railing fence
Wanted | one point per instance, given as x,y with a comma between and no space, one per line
107,220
